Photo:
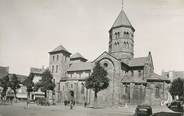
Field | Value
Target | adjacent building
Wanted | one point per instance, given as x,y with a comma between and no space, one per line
37,76
171,75
21,92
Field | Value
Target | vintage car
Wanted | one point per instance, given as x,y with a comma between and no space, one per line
143,110
176,106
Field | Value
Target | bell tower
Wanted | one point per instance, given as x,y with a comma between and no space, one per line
121,38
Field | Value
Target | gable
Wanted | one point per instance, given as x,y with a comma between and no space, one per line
106,56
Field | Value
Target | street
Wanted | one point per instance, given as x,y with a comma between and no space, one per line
34,110
20,109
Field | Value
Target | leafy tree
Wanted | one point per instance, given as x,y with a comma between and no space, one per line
29,84
46,83
176,88
97,81
4,83
14,84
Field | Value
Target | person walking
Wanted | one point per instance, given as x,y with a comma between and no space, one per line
71,99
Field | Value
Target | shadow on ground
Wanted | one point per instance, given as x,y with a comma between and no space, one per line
167,114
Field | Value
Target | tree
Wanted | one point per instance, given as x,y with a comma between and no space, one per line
14,84
4,83
97,81
176,88
29,84
46,83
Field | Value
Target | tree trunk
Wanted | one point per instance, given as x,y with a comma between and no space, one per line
28,94
45,94
95,99
15,93
27,102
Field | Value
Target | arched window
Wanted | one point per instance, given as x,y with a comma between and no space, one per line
115,34
52,68
105,64
118,34
56,68
139,73
157,92
57,57
63,88
132,73
132,35
127,45
126,34
124,44
53,58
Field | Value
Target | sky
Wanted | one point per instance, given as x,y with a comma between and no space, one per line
29,29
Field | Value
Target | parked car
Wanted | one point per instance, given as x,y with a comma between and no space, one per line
176,106
143,110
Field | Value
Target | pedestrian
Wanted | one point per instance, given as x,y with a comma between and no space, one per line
71,104
85,104
65,102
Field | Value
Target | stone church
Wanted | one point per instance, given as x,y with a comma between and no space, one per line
132,80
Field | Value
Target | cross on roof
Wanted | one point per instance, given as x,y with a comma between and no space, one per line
122,3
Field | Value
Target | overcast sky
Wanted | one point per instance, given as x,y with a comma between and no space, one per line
29,29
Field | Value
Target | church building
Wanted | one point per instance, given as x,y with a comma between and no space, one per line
132,79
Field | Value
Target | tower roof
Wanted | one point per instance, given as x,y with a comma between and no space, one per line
122,20
59,49
77,56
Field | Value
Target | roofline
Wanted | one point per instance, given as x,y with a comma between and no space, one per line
84,59
102,54
132,67
144,83
158,80
122,26
63,80
64,51
79,70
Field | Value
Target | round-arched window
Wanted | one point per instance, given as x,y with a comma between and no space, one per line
105,64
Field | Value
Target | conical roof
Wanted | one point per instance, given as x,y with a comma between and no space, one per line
60,48
77,56
122,20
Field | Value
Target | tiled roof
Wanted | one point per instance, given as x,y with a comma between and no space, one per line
58,49
122,20
129,79
76,56
4,71
137,61
80,66
157,78
36,70
73,79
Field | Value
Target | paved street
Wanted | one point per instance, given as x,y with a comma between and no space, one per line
20,109
33,110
